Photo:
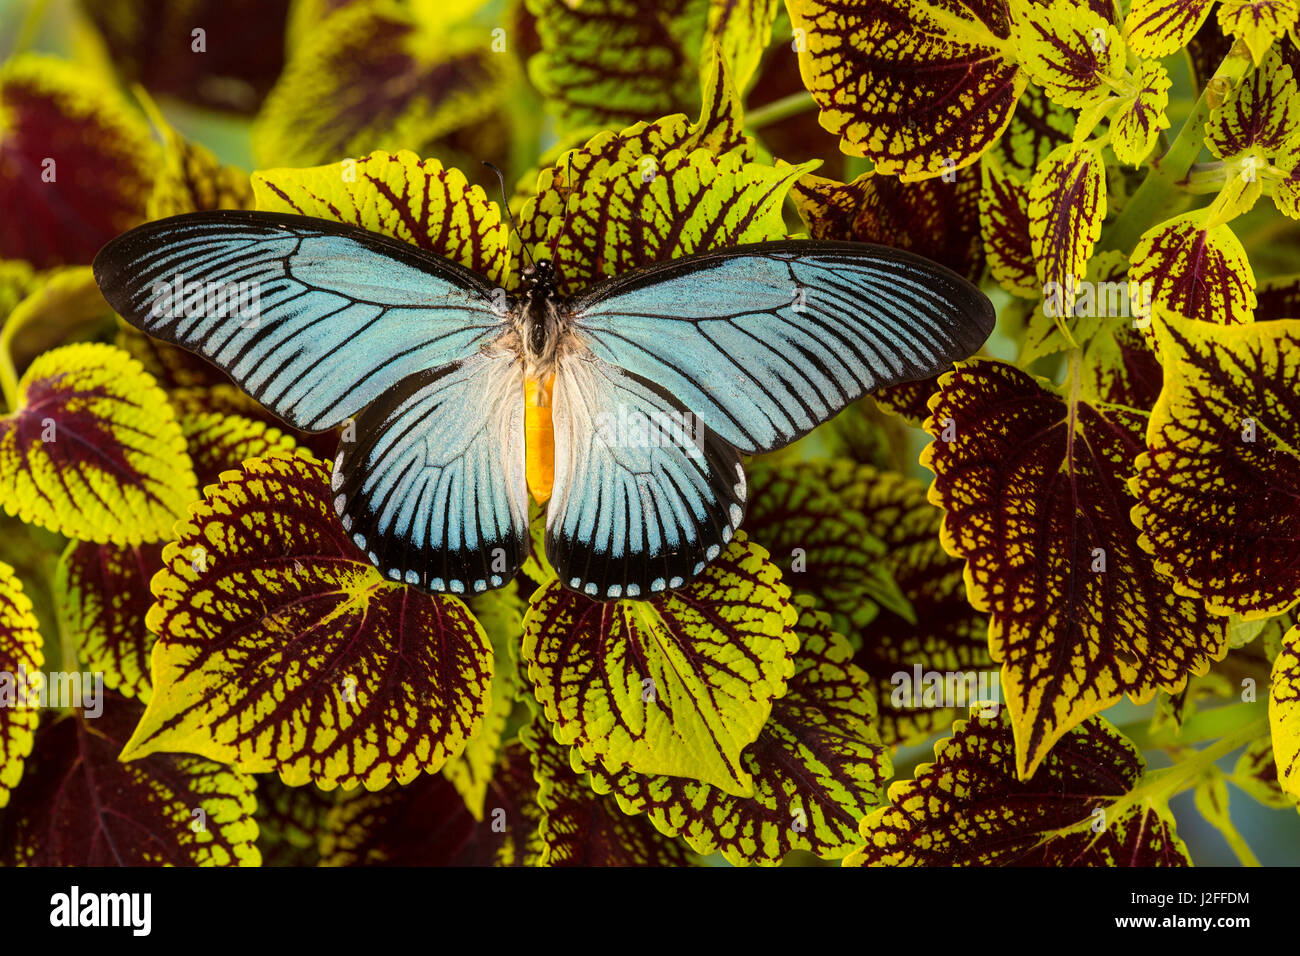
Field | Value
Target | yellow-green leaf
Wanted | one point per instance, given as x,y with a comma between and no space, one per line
1068,49
78,805
1284,712
919,87
1197,270
1215,488
677,686
93,450
380,75
1257,23
103,595
1067,205
400,195
578,827
1004,225
1156,28
77,166
608,63
818,767
20,656
969,807
1033,483
1141,116
281,648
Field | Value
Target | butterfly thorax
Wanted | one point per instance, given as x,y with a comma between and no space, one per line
539,320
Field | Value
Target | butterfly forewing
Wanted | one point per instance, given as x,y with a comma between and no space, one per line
765,342
312,318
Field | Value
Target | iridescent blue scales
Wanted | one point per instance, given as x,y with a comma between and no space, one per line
662,377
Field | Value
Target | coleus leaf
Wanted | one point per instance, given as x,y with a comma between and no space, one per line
103,595
1033,483
77,163
818,767
1141,114
1156,28
581,828
613,62
1284,712
1037,128
1261,112
501,613
1257,22
1047,324
63,305
937,218
970,808
1004,228
153,44
79,806
1067,205
399,195
823,545
741,29
192,180
1216,486
1206,51
93,450
171,366
1256,773
1119,368
630,213
1197,270
719,129
281,648
425,822
920,88
220,442
947,635
679,685
1074,53
379,74
20,655
1279,298
290,822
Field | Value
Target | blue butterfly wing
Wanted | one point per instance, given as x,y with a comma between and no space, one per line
644,494
764,342
312,318
433,488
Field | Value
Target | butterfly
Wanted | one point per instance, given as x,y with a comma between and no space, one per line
625,407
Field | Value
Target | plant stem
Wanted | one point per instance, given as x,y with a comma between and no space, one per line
1165,178
777,110
8,374
1201,726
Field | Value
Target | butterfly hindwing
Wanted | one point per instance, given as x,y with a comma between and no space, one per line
765,342
312,318
433,488
645,495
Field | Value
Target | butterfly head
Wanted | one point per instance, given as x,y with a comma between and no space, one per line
538,277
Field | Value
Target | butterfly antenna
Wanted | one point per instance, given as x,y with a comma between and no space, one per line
568,212
505,204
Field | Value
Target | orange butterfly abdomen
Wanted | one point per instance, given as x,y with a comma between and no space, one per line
539,437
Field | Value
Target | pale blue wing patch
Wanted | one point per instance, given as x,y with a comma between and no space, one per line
313,319
644,494
433,490
765,342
